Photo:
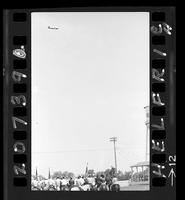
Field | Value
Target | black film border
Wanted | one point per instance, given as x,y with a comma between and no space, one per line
17,100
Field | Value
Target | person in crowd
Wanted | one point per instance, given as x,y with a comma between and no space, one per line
78,181
58,183
34,184
91,180
86,180
42,184
103,186
82,181
51,184
102,178
98,181
64,183
71,183
109,181
114,179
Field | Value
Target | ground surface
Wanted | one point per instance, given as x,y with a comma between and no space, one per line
125,187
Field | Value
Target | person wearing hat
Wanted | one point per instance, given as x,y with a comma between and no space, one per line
102,178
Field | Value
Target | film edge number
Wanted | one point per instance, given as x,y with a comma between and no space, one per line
19,147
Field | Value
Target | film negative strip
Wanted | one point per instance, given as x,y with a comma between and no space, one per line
17,89
41,48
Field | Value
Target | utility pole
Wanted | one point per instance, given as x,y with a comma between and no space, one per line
114,139
36,174
49,174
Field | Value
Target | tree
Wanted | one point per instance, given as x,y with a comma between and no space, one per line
127,175
34,177
100,173
107,172
91,172
57,174
68,174
120,175
60,174
123,176
40,177
112,171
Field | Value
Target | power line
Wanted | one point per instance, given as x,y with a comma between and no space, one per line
70,151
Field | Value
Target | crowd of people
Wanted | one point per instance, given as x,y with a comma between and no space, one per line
138,177
80,183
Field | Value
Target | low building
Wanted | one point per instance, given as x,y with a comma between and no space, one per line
140,173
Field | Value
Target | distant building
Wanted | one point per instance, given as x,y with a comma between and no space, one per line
140,173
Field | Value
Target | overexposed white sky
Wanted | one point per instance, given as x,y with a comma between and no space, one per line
90,82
